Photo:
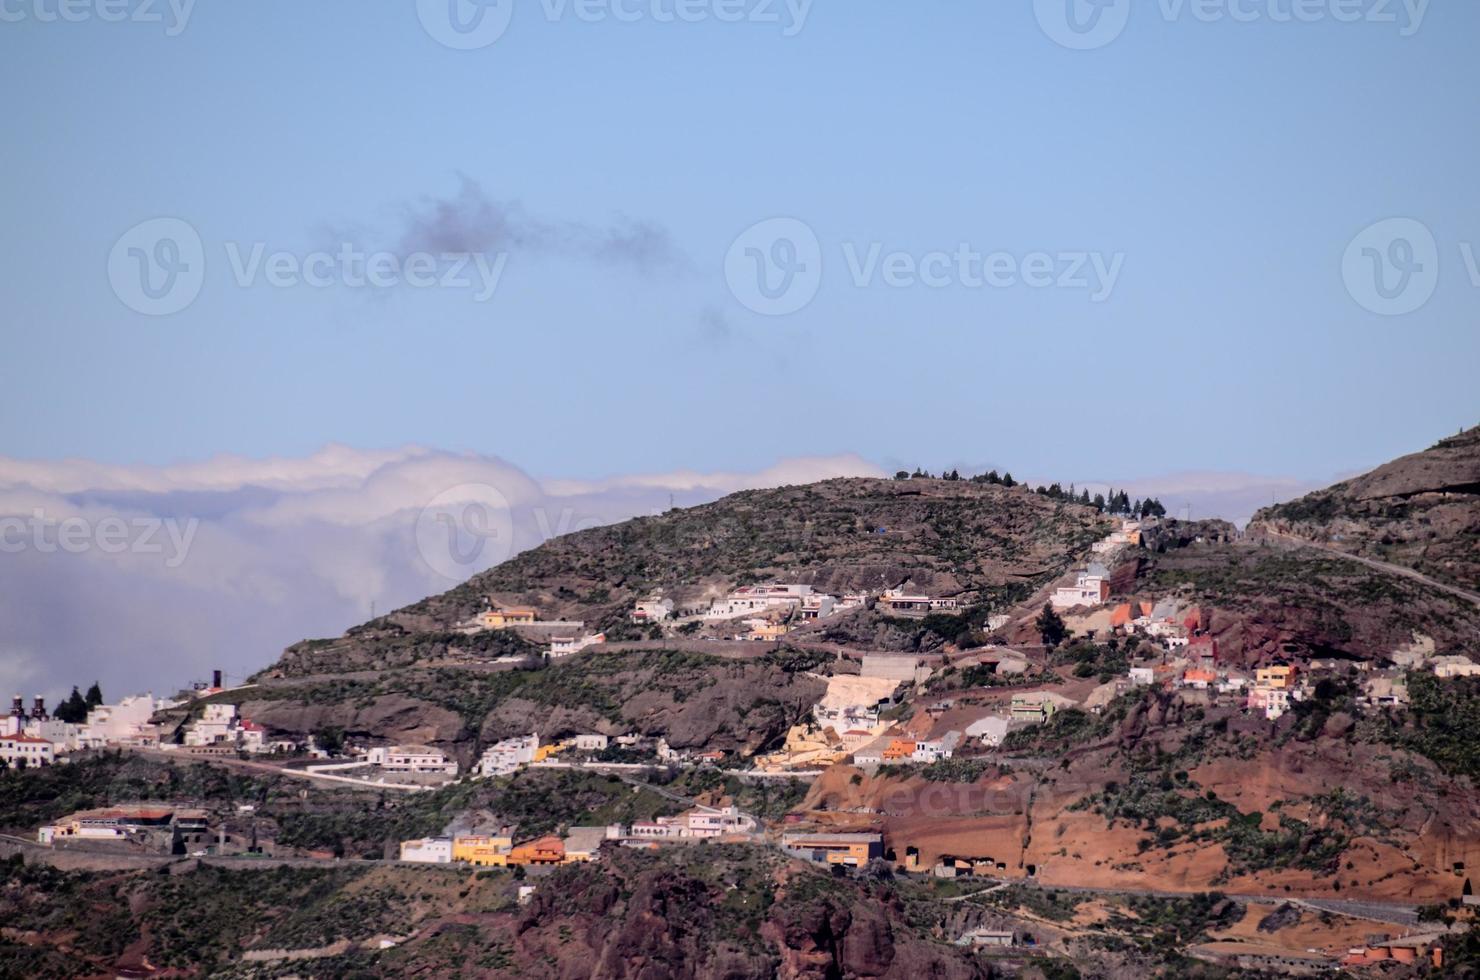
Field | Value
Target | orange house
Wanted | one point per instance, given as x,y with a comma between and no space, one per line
900,748
546,850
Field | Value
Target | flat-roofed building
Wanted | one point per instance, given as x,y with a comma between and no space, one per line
852,850
428,850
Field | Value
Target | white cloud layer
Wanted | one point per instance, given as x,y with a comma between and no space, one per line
148,577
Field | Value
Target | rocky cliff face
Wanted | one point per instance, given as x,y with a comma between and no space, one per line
1421,511
722,913
694,701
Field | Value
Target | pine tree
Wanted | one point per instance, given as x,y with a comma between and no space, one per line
1051,626
73,710
94,695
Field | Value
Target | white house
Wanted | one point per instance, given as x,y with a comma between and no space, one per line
1455,666
26,750
698,823
565,646
412,758
216,726
653,609
933,750
508,756
1142,676
1091,588
900,602
818,606
751,599
429,850
592,743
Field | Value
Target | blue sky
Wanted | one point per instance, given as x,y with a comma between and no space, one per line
1228,165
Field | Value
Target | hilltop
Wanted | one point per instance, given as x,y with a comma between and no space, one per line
1420,512
945,537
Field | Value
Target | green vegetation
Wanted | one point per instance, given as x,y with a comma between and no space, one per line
38,795
1440,723
955,770
1050,626
768,799
1154,796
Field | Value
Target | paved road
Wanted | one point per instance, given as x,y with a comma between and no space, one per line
231,762
1391,913
1380,566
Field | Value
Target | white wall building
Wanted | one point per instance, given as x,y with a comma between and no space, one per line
751,599
565,646
653,609
592,743
508,756
1455,666
216,726
26,750
1091,588
121,723
429,850
412,758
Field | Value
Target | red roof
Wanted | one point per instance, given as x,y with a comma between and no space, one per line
26,738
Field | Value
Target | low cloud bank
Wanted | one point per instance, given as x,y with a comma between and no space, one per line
149,577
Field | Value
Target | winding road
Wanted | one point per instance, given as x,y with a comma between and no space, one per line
1376,565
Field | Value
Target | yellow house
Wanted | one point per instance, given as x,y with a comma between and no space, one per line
770,631
485,852
1276,678
546,751
852,850
499,617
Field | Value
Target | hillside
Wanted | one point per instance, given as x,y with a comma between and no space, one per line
1421,512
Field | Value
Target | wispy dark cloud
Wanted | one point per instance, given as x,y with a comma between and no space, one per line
471,221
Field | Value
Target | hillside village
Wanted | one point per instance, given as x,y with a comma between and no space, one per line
1083,650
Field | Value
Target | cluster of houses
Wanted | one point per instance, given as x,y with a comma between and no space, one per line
580,844
220,730
565,638
510,755
33,737
768,612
